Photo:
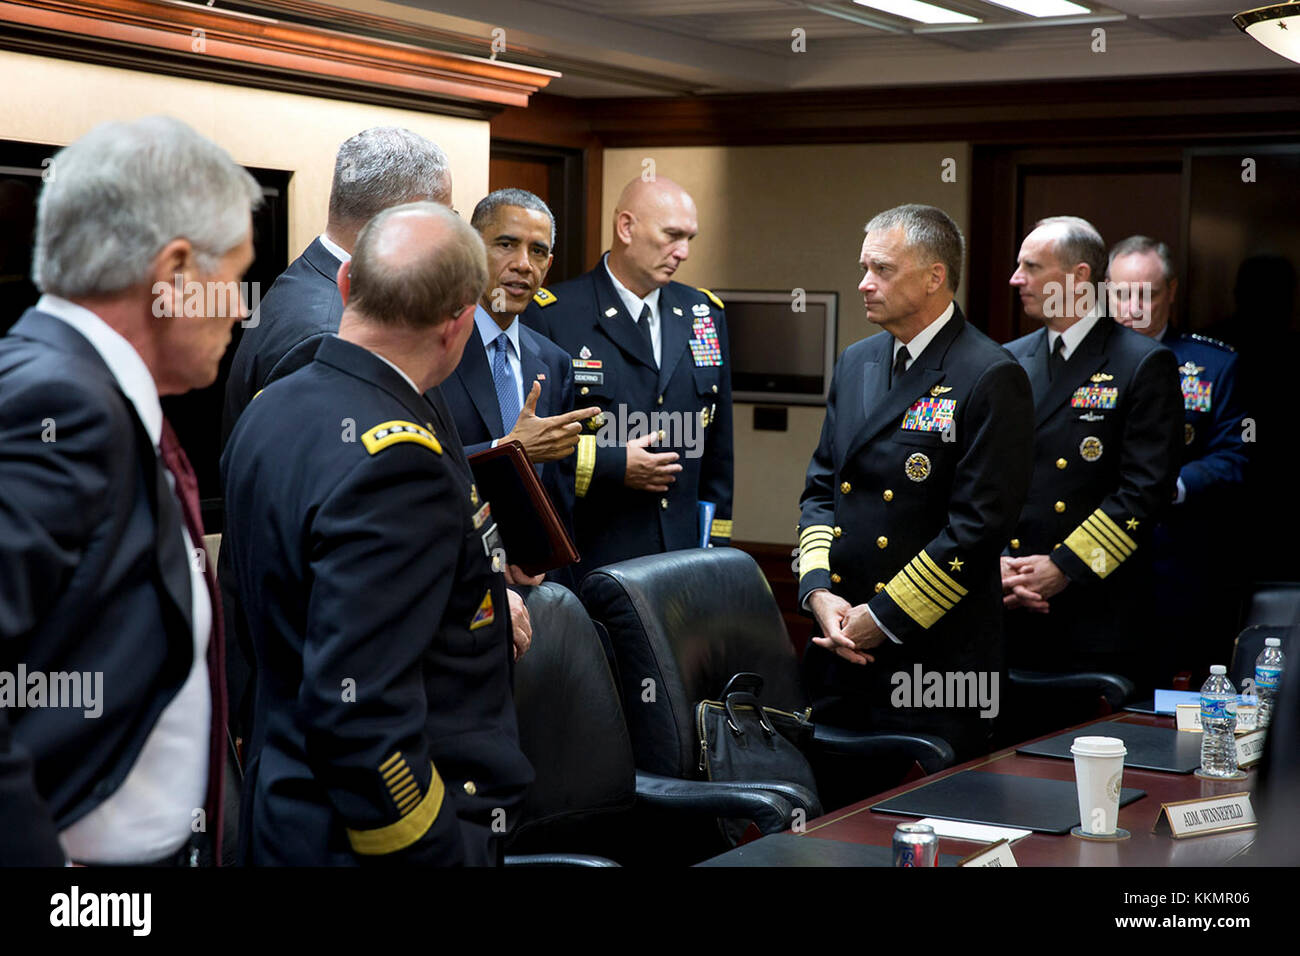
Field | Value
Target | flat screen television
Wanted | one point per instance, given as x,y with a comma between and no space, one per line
780,356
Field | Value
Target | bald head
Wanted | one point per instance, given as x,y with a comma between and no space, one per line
654,223
415,265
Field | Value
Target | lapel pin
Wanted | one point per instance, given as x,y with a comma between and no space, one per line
612,310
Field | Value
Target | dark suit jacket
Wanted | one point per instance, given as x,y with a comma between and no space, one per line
384,725
909,520
614,369
28,837
471,396
95,574
301,307
1108,441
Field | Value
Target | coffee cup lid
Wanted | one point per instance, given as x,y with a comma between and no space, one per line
1098,747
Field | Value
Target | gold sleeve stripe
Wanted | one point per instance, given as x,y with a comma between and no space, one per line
392,433
404,791
407,830
938,577
943,576
815,548
1106,538
1091,551
721,528
586,464
395,771
1107,523
387,764
408,801
912,601
935,597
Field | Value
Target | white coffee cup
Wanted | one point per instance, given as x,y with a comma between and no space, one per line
1098,773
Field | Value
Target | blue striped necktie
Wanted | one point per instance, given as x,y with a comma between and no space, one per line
504,378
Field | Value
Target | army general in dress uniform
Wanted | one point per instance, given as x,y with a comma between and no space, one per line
1108,438
1199,579
653,355
384,728
921,470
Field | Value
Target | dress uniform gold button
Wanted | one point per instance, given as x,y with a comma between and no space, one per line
660,400
1055,546
882,542
715,388
835,579
585,390
1059,506
837,531
880,586
1015,543
1061,463
887,495
663,503
470,788
845,487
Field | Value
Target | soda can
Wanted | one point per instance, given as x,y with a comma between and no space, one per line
915,845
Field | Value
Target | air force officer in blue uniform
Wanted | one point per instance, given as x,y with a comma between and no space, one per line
1199,581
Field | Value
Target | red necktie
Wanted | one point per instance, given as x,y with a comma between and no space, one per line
187,491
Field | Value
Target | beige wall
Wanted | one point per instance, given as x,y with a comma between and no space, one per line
60,100
785,217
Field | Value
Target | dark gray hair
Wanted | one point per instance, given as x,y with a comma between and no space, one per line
487,207
1139,245
385,166
930,232
425,288
120,193
1079,241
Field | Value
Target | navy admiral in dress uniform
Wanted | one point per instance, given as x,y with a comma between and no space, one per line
921,471
1108,438
384,727
106,586
512,383
653,355
1199,579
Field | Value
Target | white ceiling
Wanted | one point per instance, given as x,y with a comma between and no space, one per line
643,47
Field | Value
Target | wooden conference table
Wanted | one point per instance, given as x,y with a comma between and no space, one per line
856,824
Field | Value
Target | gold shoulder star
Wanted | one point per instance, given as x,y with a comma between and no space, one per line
955,564
1131,523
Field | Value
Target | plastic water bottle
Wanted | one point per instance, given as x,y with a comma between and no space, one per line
1268,678
1218,724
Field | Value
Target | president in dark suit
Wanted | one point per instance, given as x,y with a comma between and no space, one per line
652,354
1199,579
514,384
921,470
108,625
384,729
1108,438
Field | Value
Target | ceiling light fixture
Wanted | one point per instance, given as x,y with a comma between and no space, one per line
919,11
1277,26
1042,8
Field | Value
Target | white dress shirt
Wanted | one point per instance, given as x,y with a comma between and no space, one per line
488,332
334,249
923,338
635,305
1073,335
150,815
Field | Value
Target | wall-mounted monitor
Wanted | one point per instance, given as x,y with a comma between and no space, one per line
782,350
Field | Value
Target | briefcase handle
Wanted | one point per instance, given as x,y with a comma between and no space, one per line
744,688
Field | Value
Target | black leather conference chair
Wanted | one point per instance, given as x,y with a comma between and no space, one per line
1038,703
1250,642
682,624
1273,602
589,803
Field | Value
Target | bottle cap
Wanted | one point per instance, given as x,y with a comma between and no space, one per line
1218,670
1272,642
